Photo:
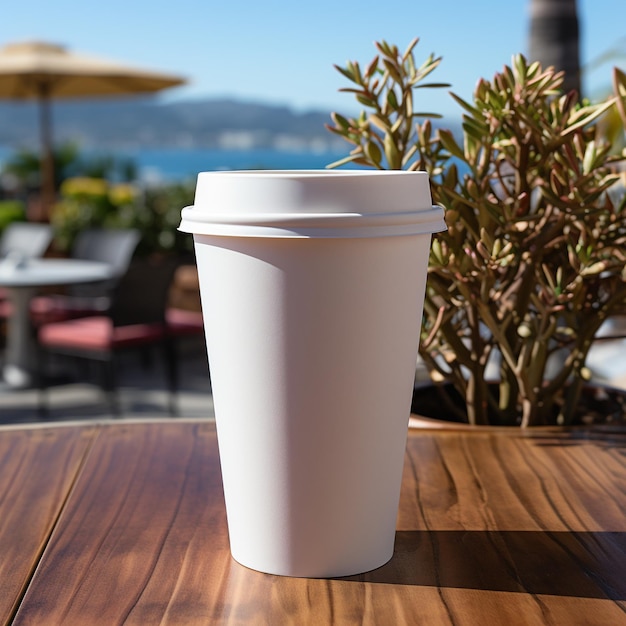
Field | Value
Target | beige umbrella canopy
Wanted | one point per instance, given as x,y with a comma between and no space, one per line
44,71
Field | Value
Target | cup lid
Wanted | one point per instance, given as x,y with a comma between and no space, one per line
312,203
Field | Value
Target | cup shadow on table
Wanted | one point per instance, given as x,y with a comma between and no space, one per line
576,564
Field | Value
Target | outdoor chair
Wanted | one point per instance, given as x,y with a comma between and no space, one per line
136,321
26,239
183,315
115,246
184,323
22,241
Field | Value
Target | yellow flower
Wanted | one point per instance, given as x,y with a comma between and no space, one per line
82,185
122,193
64,211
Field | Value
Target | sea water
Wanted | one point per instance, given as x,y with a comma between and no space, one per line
157,165
178,164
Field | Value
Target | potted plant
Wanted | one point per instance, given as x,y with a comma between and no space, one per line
534,259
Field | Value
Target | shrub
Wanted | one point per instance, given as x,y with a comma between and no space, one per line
534,258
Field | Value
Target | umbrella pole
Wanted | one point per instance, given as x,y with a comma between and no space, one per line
48,193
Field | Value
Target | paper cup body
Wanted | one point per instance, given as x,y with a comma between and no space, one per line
312,342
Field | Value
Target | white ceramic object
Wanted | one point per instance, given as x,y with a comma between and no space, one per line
312,287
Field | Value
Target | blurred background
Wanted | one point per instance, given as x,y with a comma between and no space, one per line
260,81
247,86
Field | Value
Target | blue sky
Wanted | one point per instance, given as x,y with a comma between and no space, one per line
283,52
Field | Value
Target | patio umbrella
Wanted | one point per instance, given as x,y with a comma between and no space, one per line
44,71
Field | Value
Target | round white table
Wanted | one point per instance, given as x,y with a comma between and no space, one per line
22,278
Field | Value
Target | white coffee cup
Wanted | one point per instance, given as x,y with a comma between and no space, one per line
312,286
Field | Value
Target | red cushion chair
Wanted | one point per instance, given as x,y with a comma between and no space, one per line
115,246
136,321
184,323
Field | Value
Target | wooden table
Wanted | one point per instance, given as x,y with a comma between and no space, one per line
125,523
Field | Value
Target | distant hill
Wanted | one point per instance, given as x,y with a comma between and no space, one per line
213,123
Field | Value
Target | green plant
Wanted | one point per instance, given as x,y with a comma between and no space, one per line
11,211
158,218
385,137
95,202
25,165
89,203
534,258
619,86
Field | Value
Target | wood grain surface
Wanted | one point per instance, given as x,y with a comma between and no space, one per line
37,470
493,528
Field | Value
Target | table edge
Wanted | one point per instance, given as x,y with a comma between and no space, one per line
110,421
